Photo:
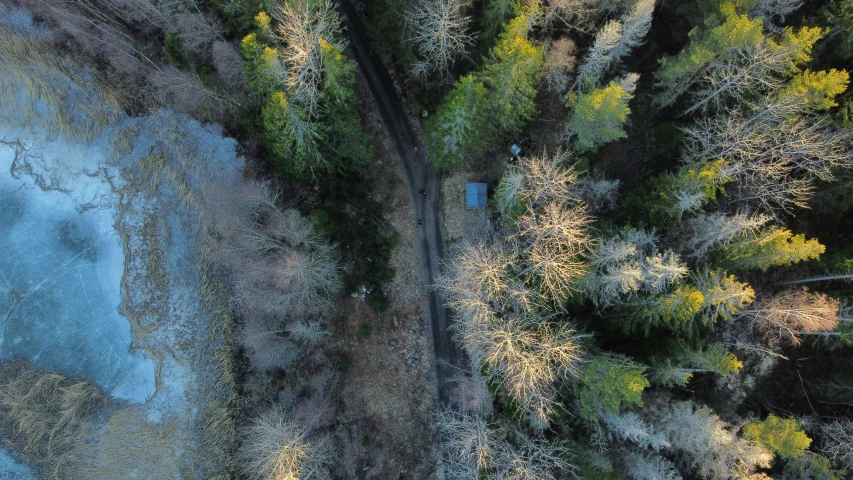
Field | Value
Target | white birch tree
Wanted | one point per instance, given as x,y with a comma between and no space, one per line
439,31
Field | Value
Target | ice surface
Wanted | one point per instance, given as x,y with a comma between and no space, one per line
10,469
60,274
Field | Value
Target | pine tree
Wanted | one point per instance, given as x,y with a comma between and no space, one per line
674,310
635,26
784,437
611,382
598,116
459,125
671,195
700,233
815,91
678,368
772,247
293,140
512,73
345,145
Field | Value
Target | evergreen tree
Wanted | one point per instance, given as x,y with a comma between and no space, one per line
815,91
772,247
598,116
513,72
702,232
611,382
674,310
345,145
724,295
459,125
291,138
495,16
707,445
671,195
264,71
811,466
783,436
678,368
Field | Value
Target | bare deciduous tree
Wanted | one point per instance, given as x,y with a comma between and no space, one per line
706,444
837,442
467,447
529,361
439,30
302,24
535,458
774,11
472,393
275,447
791,313
470,447
559,64
281,266
228,63
773,159
308,332
546,178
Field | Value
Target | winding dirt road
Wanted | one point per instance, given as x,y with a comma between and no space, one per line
420,176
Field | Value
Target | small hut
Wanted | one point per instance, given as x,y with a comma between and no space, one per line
475,195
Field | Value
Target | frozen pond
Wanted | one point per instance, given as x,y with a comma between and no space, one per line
60,273
10,469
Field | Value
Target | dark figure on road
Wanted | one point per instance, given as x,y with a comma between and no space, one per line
422,192
420,222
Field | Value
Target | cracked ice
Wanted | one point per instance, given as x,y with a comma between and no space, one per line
60,274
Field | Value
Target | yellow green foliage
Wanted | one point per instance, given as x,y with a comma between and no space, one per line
513,73
783,436
598,116
772,247
671,195
609,383
817,90
722,33
735,31
263,21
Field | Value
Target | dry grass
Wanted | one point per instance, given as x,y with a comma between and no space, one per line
219,419
45,416
29,63
129,443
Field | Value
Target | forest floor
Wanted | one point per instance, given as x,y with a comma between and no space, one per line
387,390
419,177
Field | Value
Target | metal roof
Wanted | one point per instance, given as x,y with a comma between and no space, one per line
475,195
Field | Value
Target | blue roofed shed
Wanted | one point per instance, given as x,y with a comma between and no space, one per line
475,195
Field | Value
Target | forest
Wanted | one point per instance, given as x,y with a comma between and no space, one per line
657,289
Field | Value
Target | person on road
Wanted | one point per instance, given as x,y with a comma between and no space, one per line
420,222
422,192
